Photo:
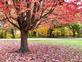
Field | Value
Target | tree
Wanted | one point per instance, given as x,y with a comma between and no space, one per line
26,15
50,33
13,33
75,27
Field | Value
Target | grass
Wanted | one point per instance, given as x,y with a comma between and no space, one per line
72,42
61,42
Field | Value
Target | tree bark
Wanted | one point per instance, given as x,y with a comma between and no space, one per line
50,33
4,34
74,33
12,32
24,44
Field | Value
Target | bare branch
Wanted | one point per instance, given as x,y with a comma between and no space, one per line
12,22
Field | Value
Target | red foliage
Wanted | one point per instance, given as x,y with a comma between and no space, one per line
66,13
1,4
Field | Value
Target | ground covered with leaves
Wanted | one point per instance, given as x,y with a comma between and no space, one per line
39,53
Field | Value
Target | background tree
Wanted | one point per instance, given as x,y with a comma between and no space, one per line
26,15
75,27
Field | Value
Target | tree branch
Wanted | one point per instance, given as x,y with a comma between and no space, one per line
12,23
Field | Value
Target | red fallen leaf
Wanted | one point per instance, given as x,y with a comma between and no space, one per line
39,53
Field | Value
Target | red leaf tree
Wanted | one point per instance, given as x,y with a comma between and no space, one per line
26,15
66,13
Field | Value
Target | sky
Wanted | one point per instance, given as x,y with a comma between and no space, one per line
71,0
68,0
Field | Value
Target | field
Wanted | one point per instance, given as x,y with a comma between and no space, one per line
59,41
42,50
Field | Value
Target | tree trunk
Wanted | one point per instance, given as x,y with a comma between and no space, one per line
74,33
50,33
24,44
5,34
12,32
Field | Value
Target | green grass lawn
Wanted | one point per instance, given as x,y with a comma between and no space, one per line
61,42
72,42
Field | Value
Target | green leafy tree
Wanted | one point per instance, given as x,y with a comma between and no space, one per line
75,27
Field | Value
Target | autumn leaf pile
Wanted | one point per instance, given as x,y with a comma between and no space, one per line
39,53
